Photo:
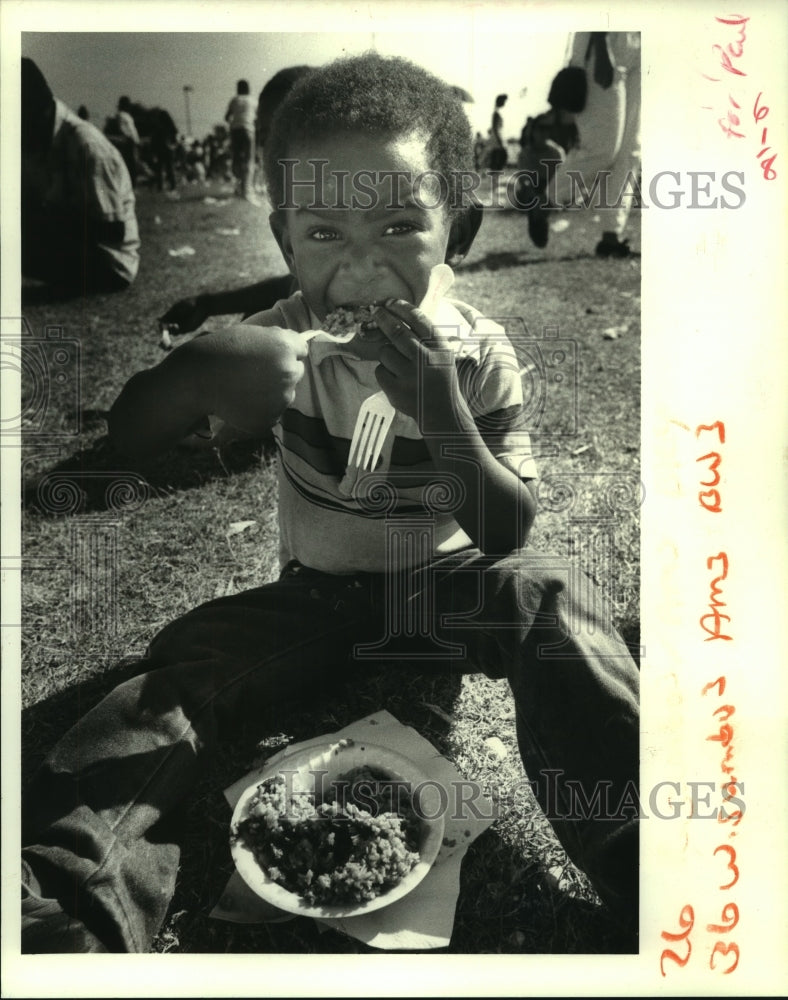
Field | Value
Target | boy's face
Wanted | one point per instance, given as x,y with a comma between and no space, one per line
350,256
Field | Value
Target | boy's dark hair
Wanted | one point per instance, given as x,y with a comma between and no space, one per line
242,87
384,96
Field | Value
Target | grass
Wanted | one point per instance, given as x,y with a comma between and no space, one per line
172,547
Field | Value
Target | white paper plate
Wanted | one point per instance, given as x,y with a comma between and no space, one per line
334,760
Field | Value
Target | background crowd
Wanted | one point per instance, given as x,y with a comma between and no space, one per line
590,125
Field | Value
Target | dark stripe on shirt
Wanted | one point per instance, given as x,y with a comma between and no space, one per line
328,461
352,507
313,430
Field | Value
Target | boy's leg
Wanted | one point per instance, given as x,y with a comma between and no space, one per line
539,621
95,813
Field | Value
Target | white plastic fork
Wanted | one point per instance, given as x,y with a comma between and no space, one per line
374,419
376,414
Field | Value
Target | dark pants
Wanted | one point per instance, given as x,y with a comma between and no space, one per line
95,811
67,257
498,158
128,150
164,159
242,145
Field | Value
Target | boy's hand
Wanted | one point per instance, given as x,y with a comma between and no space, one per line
418,373
417,370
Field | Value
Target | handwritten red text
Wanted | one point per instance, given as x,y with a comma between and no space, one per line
724,956
727,58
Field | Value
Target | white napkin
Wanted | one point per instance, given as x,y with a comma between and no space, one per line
425,917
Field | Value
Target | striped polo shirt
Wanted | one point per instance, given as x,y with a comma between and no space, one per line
342,521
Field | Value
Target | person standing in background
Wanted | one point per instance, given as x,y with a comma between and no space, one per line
498,155
163,140
129,141
608,132
608,127
241,113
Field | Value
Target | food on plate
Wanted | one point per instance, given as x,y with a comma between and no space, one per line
346,322
346,847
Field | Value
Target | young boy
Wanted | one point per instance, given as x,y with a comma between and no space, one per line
456,471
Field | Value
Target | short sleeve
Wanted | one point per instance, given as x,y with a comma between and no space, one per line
490,382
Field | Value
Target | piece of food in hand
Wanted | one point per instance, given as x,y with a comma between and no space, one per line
345,323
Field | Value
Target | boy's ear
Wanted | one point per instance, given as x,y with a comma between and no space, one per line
278,223
464,229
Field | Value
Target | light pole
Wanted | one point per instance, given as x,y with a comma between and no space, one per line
186,91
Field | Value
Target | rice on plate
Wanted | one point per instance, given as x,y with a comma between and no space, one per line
335,830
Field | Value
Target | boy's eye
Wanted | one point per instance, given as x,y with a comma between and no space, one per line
399,228
323,234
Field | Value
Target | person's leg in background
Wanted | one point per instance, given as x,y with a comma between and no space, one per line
100,856
169,166
237,146
625,168
540,160
247,187
158,169
128,151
